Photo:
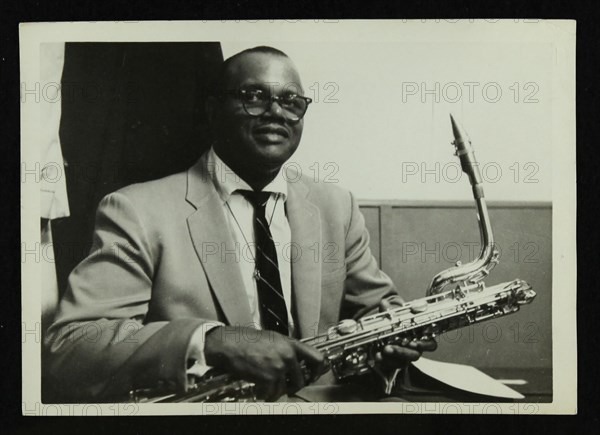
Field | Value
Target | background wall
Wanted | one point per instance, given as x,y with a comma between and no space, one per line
373,118
414,241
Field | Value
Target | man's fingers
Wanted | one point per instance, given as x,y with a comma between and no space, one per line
313,359
275,390
308,353
280,388
389,303
428,345
295,378
271,390
399,355
384,305
394,357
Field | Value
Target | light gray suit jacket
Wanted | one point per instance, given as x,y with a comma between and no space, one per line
163,263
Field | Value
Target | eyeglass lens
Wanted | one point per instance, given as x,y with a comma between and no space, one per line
257,103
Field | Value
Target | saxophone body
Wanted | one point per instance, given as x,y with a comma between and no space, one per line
456,297
352,353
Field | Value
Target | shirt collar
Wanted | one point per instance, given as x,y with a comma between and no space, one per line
226,181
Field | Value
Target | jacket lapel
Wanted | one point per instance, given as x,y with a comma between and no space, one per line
305,225
210,238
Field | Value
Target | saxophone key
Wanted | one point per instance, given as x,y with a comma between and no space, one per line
347,326
419,306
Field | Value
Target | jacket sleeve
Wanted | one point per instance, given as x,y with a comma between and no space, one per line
366,285
99,346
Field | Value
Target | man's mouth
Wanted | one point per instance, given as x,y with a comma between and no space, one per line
272,132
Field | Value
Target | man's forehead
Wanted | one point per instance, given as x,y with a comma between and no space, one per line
262,68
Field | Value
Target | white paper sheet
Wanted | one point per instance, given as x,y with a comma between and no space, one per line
466,378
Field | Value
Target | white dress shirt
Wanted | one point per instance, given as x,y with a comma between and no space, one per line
239,218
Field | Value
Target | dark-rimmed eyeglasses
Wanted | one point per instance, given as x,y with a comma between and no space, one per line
257,102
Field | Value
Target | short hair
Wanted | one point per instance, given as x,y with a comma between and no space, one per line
222,73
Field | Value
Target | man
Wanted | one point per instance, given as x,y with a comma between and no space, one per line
226,265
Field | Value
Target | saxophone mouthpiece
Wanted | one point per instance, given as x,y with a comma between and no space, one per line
466,155
460,135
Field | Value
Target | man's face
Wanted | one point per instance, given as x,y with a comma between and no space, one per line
266,141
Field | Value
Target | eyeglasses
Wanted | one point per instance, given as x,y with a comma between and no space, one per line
256,102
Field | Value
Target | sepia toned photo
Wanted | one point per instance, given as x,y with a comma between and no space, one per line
298,217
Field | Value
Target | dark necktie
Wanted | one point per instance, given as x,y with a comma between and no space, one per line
270,294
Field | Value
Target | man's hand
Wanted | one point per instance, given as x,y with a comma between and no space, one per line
266,358
399,356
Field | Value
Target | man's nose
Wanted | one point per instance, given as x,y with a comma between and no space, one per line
274,109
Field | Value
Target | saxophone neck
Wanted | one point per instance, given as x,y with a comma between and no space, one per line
473,272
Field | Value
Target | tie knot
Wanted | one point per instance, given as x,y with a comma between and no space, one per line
257,199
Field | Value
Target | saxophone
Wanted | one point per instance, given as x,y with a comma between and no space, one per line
456,297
